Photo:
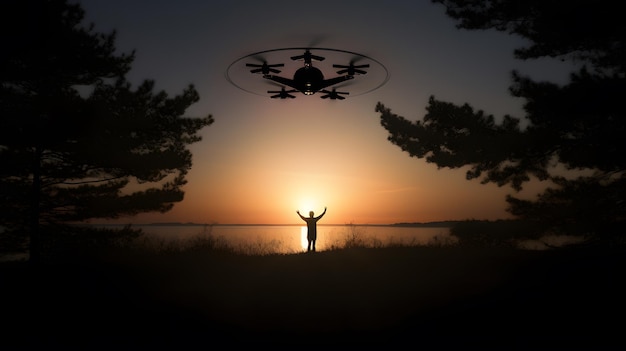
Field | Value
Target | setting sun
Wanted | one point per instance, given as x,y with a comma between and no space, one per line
306,205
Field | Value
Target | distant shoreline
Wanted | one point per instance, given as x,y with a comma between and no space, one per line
191,224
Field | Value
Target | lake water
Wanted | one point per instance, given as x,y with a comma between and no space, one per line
292,238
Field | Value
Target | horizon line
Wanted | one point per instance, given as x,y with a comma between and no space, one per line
286,224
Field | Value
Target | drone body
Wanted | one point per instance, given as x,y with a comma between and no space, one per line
308,79
284,72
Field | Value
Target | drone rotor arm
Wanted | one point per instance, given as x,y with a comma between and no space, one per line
307,56
282,80
351,69
264,68
282,93
332,81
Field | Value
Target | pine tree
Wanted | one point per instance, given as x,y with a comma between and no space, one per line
578,127
76,140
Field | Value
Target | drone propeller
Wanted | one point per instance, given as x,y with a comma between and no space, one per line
265,68
351,69
334,94
282,93
307,56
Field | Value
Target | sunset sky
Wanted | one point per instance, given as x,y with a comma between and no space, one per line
264,158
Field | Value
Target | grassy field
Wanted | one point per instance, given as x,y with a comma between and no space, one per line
349,298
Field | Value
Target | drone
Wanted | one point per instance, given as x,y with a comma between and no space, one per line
308,79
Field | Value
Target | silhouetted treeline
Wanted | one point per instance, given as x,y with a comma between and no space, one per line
75,136
572,127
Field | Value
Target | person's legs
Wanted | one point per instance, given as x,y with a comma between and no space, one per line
308,248
313,244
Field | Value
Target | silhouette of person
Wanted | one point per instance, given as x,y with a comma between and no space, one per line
311,225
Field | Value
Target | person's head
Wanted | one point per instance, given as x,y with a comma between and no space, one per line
311,213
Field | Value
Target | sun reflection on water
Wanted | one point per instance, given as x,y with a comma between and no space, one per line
303,240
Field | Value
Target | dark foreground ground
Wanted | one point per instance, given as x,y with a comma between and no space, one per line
382,299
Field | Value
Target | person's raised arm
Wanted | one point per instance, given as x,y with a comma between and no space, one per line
323,213
298,212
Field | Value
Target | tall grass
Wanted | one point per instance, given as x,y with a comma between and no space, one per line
84,242
203,241
351,237
356,236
